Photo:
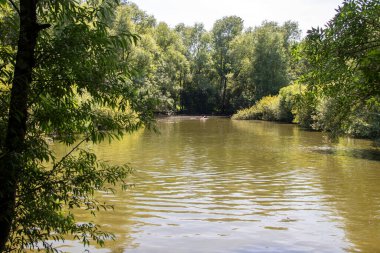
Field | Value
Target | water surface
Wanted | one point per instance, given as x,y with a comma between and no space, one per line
219,185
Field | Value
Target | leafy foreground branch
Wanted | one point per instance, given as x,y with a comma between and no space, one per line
45,208
62,76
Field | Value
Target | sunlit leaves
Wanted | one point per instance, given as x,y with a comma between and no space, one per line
343,61
82,92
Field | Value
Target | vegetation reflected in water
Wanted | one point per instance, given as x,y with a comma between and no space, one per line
218,185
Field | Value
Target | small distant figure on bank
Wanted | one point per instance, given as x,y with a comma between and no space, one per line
204,117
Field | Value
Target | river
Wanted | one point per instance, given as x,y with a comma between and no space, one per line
219,185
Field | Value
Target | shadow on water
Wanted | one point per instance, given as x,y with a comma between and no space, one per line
367,154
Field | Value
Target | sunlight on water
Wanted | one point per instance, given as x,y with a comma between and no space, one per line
218,185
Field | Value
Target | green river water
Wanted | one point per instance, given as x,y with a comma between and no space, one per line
219,185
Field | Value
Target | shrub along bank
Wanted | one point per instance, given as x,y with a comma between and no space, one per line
294,104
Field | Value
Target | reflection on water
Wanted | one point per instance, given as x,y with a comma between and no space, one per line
218,185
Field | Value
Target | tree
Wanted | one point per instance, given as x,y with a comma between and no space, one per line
173,67
343,62
64,79
199,92
242,54
261,62
223,32
270,65
10,163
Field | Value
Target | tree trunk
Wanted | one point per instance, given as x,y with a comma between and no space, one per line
224,93
181,82
11,162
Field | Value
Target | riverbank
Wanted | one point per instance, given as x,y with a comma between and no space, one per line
191,116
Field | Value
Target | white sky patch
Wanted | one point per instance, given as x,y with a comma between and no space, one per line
308,13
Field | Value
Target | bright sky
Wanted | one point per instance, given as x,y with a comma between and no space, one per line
308,13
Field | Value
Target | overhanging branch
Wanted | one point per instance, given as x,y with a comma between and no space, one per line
14,6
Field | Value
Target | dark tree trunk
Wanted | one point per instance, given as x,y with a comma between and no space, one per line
11,163
181,82
224,94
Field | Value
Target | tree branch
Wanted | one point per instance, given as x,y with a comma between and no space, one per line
55,167
14,6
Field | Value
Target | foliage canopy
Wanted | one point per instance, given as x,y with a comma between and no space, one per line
76,88
343,62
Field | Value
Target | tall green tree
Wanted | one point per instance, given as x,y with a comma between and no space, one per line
261,62
143,58
242,54
199,93
62,77
173,66
270,64
223,33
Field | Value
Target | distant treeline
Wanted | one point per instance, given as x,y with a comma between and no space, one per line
195,71
335,70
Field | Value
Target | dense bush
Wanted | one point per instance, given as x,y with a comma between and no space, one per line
360,121
294,104
265,109
273,108
367,126
326,116
289,97
304,109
